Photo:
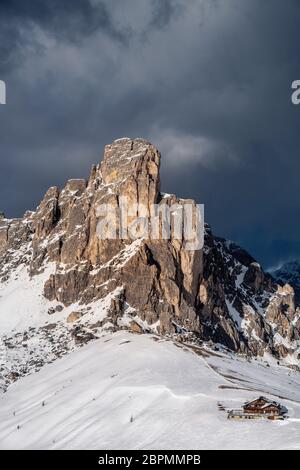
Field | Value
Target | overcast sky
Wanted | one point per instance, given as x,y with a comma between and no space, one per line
207,81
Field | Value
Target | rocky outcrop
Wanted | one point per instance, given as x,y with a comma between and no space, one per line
217,293
289,273
242,306
73,317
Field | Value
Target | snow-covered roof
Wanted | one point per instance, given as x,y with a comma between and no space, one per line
266,400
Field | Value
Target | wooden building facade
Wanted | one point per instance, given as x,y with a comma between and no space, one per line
261,407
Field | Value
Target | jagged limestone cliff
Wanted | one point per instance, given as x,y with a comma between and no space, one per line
217,293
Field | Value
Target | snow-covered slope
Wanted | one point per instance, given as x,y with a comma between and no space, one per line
35,331
73,372
132,391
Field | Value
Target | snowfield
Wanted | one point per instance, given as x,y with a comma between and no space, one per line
128,391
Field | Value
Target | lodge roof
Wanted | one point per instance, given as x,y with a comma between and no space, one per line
265,405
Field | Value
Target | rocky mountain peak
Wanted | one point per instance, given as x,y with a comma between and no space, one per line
217,293
131,168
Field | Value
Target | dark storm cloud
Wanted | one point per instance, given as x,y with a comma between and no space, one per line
67,20
64,18
207,81
163,13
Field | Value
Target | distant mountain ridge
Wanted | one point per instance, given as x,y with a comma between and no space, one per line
289,273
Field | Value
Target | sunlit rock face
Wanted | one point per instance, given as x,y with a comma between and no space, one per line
218,292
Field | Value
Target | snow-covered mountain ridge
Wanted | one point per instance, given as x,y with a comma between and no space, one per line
62,287
128,391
